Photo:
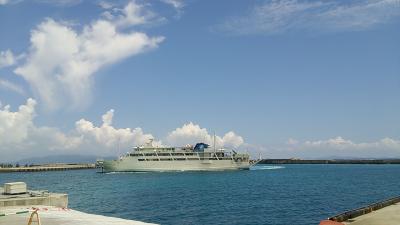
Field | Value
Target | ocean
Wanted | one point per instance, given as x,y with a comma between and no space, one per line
267,194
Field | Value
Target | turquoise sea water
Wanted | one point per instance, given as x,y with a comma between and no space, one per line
287,195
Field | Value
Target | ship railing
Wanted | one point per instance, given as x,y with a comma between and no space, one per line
188,156
193,157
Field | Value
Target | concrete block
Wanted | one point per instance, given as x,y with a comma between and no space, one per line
15,188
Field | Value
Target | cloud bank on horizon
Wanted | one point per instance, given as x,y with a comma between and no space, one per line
340,147
20,137
61,62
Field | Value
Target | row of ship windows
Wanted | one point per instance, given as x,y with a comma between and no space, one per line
167,154
170,159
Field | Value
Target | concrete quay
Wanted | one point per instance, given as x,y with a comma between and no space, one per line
16,209
48,167
33,198
389,215
60,216
385,212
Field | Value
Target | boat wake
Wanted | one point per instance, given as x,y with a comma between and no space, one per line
266,167
124,172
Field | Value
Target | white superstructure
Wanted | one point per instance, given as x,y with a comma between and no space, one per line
189,158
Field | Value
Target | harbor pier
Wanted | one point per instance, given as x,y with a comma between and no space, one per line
18,205
48,167
385,212
329,161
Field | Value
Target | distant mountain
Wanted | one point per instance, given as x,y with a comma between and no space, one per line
62,159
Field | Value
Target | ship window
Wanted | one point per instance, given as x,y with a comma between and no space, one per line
178,154
168,159
140,159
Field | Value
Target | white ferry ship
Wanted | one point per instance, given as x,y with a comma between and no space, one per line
198,158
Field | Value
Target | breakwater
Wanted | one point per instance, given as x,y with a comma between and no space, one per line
48,167
330,161
365,210
33,198
382,212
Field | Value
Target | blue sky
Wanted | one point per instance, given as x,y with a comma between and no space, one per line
290,78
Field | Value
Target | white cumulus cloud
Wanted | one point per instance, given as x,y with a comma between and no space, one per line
62,61
20,137
346,144
14,126
341,147
109,136
191,133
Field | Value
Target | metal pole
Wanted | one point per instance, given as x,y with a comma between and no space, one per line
214,142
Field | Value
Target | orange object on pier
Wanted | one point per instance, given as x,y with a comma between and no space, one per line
329,222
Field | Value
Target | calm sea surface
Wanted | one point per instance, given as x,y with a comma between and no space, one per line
288,195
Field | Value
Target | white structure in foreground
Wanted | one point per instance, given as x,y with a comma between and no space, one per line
61,216
198,158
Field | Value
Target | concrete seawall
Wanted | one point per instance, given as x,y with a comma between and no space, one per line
364,210
384,212
50,208
34,198
54,199
49,167
333,161
60,216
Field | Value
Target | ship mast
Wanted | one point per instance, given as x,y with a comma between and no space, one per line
214,142
118,146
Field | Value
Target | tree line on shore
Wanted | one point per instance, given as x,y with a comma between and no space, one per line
17,165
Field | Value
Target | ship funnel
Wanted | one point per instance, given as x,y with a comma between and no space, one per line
200,147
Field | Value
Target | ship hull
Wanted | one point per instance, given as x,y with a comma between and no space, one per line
133,165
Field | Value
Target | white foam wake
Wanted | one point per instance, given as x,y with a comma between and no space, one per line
258,167
125,172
